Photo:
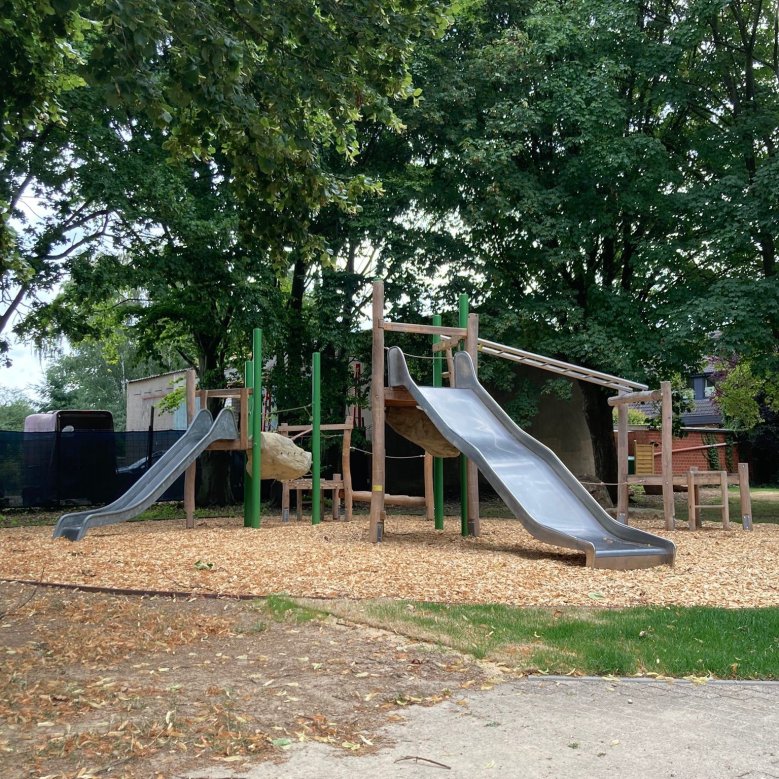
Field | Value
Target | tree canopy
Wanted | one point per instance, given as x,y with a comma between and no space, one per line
600,175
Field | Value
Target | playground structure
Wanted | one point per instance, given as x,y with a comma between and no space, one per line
204,433
402,392
692,480
607,543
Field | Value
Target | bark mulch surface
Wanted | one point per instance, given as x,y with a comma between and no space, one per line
334,559
96,684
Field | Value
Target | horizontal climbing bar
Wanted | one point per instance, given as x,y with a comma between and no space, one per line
403,327
650,396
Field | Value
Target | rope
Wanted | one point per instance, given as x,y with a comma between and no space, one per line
389,456
416,356
295,408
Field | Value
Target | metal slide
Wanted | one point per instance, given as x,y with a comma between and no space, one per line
541,492
203,431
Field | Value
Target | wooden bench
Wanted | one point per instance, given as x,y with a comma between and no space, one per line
340,484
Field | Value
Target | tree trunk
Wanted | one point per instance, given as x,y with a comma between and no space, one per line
600,423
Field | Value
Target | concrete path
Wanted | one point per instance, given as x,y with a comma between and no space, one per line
559,728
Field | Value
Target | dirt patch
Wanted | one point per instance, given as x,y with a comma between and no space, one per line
104,685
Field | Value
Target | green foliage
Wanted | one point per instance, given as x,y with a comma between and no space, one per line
635,417
740,392
192,152
15,405
93,375
712,453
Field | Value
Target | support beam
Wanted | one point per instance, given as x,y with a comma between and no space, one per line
667,454
622,465
316,436
404,327
256,515
429,498
376,527
248,380
650,396
438,462
190,473
463,315
472,347
746,498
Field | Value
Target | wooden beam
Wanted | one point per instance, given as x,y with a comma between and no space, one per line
650,396
407,501
559,366
700,478
472,347
667,456
376,527
746,498
622,465
429,503
284,428
448,343
346,466
191,472
404,327
725,501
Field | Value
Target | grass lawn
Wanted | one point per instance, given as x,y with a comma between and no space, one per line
675,641
765,504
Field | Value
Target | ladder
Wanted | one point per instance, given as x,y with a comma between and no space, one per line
695,480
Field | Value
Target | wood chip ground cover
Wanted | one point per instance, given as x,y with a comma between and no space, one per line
107,685
334,559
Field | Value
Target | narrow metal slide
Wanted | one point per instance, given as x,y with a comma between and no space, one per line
541,492
203,431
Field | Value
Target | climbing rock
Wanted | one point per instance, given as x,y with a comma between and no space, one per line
281,458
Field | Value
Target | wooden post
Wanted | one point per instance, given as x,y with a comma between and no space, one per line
429,490
622,464
746,498
336,498
256,513
438,462
248,381
692,500
725,501
376,528
463,460
346,465
299,505
285,501
189,475
667,454
316,448
472,347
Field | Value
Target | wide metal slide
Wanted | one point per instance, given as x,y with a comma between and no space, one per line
203,431
541,492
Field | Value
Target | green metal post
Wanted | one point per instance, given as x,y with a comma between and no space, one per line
463,311
438,462
248,381
256,516
316,460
